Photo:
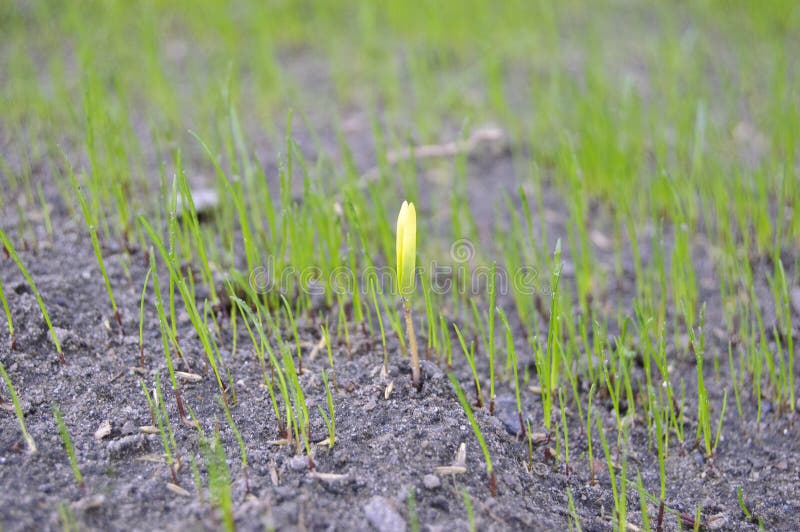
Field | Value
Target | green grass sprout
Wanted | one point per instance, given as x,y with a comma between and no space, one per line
13,254
18,410
477,430
67,441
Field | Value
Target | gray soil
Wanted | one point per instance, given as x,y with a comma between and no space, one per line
385,450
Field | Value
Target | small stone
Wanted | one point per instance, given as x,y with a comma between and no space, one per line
298,462
431,371
128,428
431,482
505,408
383,516
783,465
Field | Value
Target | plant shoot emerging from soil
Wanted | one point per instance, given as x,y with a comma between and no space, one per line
406,260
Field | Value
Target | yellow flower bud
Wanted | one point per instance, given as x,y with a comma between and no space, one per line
406,248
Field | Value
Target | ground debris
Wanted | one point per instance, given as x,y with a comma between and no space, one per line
718,521
329,477
122,446
188,377
90,502
103,430
174,488
459,464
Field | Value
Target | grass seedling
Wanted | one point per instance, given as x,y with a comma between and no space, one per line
158,411
470,511
260,344
302,425
207,311
618,494
592,480
470,356
330,416
661,419
719,422
166,339
563,409
141,316
548,359
380,324
478,323
293,325
394,321
698,521
433,337
512,356
92,225
747,513
219,480
65,439
703,409
18,410
326,337
642,502
341,324
447,344
239,440
492,301
735,380
189,302
411,507
9,320
477,430
4,240
67,517
187,205
406,260
575,524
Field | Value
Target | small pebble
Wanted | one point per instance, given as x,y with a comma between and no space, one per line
383,516
506,410
432,371
431,482
298,462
